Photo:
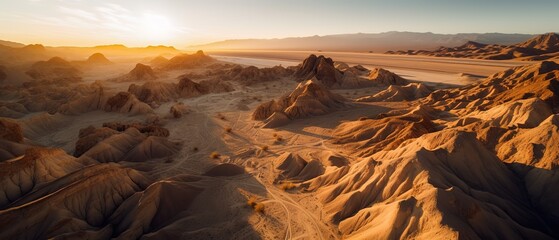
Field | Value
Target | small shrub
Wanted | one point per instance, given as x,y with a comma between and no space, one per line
259,207
254,204
287,186
215,155
265,148
195,149
251,201
228,129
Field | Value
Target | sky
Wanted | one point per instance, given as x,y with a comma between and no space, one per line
182,23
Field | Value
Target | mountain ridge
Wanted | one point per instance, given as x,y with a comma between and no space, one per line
365,41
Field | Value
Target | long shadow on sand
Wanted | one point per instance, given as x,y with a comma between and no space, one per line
545,178
332,120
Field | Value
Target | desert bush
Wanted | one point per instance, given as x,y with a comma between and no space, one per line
257,206
228,129
214,155
287,186
265,148
221,117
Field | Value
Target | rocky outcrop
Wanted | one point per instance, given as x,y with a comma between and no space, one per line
159,92
126,102
251,75
158,61
537,80
396,93
343,76
10,130
185,61
78,202
294,168
438,175
132,142
321,68
459,138
178,110
380,76
140,73
541,47
38,166
369,136
55,70
98,59
308,99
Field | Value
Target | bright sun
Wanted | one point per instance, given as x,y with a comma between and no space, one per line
156,27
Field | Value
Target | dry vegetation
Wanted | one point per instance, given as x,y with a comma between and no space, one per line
255,204
215,155
287,185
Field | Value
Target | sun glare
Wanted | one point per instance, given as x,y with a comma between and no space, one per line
156,27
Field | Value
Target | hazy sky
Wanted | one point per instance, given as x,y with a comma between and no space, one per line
183,22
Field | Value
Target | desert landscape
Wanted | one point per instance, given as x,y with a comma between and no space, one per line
294,142
541,47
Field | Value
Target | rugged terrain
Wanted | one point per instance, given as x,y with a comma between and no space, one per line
541,47
190,147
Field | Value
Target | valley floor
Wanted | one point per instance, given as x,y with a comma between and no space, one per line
417,68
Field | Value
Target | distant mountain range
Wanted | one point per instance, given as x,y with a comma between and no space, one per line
540,47
11,44
17,53
376,42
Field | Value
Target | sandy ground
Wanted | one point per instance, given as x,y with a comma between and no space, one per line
288,215
415,68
